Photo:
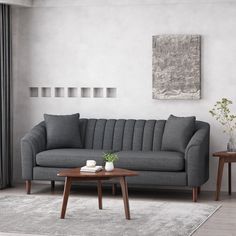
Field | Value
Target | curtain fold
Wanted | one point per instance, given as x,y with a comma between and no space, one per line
5,96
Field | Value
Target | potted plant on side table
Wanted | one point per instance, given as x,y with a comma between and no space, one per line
223,115
110,158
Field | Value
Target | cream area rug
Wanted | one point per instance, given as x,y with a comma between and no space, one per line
41,215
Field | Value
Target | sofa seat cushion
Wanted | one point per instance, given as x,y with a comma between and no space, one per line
69,158
150,161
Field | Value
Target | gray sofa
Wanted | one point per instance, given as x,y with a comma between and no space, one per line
139,145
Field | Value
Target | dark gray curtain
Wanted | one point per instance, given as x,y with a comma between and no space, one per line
5,99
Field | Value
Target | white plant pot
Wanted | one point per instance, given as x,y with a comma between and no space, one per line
109,166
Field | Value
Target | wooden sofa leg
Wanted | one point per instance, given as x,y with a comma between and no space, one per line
195,193
114,189
52,185
28,186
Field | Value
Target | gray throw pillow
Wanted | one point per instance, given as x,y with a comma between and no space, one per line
62,131
177,133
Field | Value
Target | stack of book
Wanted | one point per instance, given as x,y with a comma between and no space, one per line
92,169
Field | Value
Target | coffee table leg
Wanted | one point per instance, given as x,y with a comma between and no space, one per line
99,187
219,177
66,194
124,190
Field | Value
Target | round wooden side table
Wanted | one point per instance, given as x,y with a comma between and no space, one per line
224,157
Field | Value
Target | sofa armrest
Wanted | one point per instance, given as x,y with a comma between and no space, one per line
31,144
197,157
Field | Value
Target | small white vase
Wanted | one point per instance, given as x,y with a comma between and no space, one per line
231,147
109,166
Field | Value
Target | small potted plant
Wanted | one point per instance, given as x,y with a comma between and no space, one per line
110,158
223,115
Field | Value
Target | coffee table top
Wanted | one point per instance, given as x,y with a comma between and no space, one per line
117,172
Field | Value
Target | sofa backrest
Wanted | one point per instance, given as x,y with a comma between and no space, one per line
124,135
117,135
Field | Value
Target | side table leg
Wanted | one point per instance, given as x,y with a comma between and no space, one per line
65,196
124,190
229,177
219,177
99,187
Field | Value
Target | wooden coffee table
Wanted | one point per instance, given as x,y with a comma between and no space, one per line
76,175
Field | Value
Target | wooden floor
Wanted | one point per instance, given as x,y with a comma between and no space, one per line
222,223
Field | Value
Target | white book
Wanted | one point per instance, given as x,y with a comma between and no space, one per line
91,169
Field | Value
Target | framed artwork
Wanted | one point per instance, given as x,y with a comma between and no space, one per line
176,66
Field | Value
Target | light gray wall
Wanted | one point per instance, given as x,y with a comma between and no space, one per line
111,46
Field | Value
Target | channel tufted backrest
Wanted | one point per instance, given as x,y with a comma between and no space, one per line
117,135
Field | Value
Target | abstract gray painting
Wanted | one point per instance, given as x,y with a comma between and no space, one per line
176,66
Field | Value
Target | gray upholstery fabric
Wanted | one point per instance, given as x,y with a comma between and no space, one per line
89,136
31,144
147,178
138,135
108,134
35,140
148,135
150,161
62,131
128,135
158,133
158,178
177,133
119,134
82,129
99,134
197,156
47,173
69,157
